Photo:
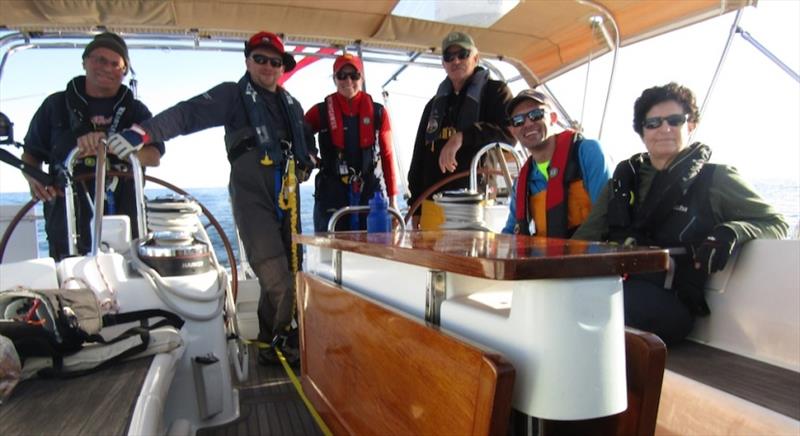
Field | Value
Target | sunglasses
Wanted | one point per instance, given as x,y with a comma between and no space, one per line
676,120
534,115
263,60
103,62
449,56
353,75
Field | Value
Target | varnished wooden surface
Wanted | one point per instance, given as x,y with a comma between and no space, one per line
496,256
93,404
767,385
372,371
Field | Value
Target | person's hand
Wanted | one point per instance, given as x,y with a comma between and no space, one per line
40,191
447,158
712,255
414,222
90,143
128,141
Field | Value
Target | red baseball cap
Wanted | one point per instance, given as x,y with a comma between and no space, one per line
269,40
348,58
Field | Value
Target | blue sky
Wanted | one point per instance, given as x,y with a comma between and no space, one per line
752,121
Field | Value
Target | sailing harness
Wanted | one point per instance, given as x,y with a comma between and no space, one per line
563,170
279,153
81,123
469,112
675,213
334,144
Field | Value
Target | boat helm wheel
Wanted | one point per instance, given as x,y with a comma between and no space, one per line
225,241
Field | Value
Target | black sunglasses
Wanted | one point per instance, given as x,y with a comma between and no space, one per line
675,120
262,60
353,75
534,115
449,56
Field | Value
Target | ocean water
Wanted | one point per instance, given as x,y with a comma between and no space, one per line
215,200
785,196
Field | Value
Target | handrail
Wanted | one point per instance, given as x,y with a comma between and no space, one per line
749,38
473,168
613,46
359,209
69,203
72,233
717,72
99,198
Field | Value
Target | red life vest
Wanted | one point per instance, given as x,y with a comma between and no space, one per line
565,203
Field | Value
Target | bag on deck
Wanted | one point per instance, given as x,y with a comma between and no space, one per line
58,322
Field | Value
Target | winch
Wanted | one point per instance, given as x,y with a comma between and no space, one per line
171,247
463,209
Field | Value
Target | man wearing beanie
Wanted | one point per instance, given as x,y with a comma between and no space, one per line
467,112
264,133
91,108
355,144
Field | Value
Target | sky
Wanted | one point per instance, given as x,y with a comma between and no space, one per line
751,121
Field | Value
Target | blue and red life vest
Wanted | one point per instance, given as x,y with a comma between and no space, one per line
558,210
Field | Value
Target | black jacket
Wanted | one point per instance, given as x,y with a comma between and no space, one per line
424,170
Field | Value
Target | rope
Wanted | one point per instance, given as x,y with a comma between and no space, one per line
462,215
287,200
297,386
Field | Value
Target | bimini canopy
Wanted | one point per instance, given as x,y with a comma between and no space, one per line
544,38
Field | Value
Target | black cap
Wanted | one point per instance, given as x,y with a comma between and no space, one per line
527,94
111,41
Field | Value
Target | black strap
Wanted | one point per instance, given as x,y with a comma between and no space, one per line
143,315
57,371
143,331
36,173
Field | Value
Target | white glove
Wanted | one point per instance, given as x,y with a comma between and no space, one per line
127,141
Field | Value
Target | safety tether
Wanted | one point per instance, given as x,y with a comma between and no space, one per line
287,200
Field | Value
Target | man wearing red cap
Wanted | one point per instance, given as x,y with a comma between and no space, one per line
265,134
90,108
355,140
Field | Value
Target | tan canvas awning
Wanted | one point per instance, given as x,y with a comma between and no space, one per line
546,37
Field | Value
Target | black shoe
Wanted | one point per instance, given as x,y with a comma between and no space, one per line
292,356
268,357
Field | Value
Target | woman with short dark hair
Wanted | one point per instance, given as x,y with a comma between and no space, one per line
672,197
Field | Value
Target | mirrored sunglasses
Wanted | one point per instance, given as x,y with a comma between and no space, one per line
534,115
353,75
675,120
449,56
262,60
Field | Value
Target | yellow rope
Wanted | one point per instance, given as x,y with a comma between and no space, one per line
298,387
287,200
318,419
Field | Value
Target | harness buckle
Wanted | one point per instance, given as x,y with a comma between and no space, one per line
356,183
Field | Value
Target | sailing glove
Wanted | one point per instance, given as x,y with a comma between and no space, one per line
128,141
713,253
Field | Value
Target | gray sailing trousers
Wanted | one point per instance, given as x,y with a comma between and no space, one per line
266,239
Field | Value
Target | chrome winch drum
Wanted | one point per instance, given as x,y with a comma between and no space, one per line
171,255
171,247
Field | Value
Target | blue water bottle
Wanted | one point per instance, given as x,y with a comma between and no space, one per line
378,220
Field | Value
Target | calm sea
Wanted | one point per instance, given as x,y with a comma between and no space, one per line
785,196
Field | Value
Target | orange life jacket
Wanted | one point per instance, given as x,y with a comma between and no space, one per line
558,210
